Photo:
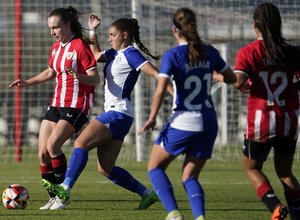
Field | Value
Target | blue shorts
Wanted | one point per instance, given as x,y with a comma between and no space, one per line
118,123
195,143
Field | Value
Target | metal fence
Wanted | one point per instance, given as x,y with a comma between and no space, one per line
224,23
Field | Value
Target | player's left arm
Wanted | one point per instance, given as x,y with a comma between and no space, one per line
157,100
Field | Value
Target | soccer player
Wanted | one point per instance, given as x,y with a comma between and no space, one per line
266,68
107,132
193,127
72,64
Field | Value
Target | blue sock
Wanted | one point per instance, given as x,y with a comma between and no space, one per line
77,163
163,188
124,179
196,196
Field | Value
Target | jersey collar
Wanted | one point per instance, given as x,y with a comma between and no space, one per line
64,44
120,51
183,43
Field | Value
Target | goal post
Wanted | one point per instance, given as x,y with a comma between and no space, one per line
221,107
18,98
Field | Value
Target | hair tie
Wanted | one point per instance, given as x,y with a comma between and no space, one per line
177,29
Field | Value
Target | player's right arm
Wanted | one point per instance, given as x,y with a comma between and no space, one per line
44,76
228,76
93,23
242,69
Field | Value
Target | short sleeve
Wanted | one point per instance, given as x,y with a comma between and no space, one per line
242,63
110,53
135,59
166,66
51,56
86,56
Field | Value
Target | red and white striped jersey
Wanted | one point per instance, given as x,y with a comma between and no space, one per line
273,102
69,92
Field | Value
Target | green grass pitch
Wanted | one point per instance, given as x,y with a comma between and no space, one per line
228,193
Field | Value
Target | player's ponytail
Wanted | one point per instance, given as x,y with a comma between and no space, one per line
267,19
184,21
136,39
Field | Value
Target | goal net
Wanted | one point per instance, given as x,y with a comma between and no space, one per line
227,24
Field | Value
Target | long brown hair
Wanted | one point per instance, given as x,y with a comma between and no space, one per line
185,21
70,14
267,19
131,26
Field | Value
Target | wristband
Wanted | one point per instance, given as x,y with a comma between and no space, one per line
92,32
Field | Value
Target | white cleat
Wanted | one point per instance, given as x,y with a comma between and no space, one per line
59,204
175,215
48,204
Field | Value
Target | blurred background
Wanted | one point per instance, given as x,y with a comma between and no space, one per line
25,43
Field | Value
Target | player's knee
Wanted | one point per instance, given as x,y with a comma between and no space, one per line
44,157
102,171
284,174
52,149
186,177
77,143
286,178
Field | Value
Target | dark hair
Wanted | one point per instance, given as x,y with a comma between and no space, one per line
184,21
131,26
267,19
70,14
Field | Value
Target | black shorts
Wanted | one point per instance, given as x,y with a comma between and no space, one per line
260,150
72,115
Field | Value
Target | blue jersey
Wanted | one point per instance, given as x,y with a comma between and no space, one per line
192,85
121,73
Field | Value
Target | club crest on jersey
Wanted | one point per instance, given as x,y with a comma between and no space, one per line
70,55
118,60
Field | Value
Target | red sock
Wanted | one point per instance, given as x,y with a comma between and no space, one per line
59,165
263,189
47,173
267,195
46,168
58,161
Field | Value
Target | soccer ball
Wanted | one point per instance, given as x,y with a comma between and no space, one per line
15,196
